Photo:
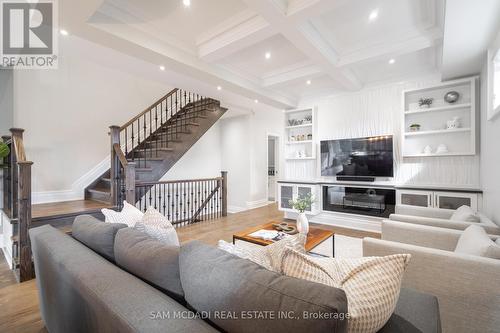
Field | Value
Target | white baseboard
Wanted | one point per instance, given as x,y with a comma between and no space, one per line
77,191
257,203
351,221
235,209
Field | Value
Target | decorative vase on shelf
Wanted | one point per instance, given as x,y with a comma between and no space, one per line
302,223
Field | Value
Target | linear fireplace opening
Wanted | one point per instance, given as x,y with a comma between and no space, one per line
371,201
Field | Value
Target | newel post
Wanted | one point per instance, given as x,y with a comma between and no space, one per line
224,193
24,220
130,183
114,133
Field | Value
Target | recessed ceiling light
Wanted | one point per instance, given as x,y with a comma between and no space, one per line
373,15
308,82
219,88
391,61
186,3
162,68
256,101
64,32
268,55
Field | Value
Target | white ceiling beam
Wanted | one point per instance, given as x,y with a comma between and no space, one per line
392,49
291,73
306,39
232,35
301,10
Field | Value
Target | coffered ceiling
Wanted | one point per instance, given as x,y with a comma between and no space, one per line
274,51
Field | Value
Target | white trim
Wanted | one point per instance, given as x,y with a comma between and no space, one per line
256,203
77,191
235,209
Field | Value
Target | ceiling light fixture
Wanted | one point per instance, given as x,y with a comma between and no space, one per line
64,32
391,61
308,82
162,68
186,3
219,88
268,55
373,15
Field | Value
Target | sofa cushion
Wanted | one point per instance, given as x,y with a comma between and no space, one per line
464,213
149,259
97,235
158,226
475,241
371,284
129,215
415,312
220,283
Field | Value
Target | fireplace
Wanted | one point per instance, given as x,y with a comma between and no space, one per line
371,201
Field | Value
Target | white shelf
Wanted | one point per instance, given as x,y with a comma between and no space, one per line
440,154
299,126
439,108
444,131
298,110
300,158
298,142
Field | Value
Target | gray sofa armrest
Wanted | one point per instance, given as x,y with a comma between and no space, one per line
467,287
444,223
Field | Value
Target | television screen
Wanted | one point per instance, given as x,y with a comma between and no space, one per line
372,157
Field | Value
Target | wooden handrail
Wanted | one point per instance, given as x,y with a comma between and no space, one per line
120,155
131,121
176,181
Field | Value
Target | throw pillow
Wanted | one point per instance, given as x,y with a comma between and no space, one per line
158,226
129,215
269,256
371,284
475,241
464,213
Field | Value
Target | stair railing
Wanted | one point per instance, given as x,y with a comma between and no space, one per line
185,201
144,136
17,201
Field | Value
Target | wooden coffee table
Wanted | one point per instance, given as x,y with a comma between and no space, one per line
317,239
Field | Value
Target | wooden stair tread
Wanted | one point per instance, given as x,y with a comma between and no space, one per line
100,190
147,159
67,208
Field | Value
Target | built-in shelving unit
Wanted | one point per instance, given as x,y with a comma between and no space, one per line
434,131
299,132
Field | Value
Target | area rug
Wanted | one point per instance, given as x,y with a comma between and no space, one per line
348,247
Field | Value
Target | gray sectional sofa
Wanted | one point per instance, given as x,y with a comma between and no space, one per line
110,278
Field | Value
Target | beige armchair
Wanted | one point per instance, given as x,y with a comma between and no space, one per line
467,287
440,218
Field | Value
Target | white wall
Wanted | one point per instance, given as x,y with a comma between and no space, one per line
378,110
490,155
67,112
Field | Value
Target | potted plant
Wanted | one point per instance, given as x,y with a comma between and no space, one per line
4,152
301,204
414,127
425,102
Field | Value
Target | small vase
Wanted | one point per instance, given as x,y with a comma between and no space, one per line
302,224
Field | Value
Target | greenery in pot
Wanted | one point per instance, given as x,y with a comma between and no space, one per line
302,203
415,127
4,152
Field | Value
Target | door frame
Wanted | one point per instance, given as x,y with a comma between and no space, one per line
277,164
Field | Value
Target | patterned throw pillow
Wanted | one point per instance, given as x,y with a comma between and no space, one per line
129,215
371,284
158,226
269,256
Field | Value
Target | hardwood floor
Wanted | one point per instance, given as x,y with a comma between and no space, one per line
67,207
19,310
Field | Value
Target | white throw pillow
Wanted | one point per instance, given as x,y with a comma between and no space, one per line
129,215
269,256
464,213
371,284
475,241
158,226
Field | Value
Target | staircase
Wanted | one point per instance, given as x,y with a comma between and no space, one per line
156,139
142,152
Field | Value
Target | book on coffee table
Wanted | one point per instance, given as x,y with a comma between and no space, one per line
268,235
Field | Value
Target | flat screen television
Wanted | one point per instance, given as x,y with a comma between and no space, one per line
363,157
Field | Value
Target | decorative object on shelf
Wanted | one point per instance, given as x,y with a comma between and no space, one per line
425,103
414,127
308,119
300,121
293,138
291,122
451,97
309,136
453,123
301,204
286,228
428,150
441,149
